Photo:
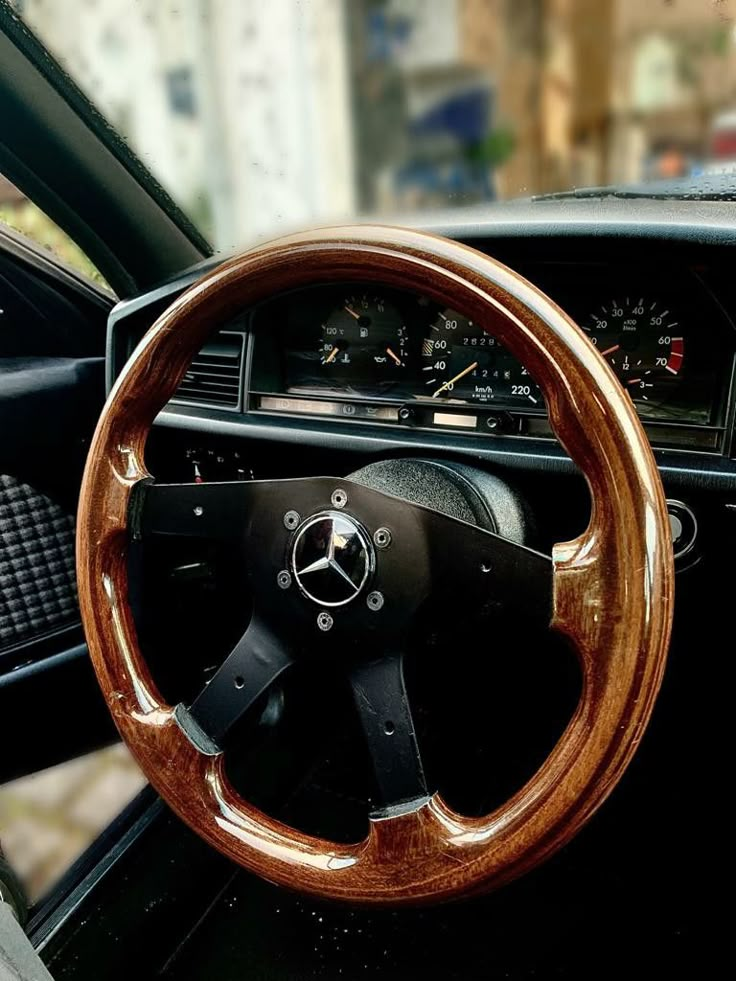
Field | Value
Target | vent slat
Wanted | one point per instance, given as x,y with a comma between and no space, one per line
213,378
224,364
216,375
200,385
230,378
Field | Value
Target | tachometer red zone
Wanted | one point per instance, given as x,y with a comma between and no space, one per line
677,353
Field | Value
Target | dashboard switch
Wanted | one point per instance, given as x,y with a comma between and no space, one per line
684,526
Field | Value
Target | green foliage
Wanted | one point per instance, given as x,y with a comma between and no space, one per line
698,47
721,41
494,149
27,219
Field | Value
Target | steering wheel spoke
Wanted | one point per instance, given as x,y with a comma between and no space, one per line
255,663
215,511
478,568
379,692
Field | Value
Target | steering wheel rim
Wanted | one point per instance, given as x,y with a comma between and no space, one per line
612,586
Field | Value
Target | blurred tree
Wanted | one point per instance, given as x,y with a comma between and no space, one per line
699,52
24,217
494,149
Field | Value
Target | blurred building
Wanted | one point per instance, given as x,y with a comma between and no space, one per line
423,106
275,113
240,108
673,75
136,61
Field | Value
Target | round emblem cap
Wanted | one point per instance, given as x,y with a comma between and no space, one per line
331,558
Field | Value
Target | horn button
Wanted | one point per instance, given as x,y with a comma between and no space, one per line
332,558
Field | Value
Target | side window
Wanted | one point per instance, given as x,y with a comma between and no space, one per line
22,215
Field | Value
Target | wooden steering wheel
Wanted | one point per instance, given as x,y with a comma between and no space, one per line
316,559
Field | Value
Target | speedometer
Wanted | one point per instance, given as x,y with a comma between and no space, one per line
462,362
642,340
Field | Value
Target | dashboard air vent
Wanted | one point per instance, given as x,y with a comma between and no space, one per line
214,375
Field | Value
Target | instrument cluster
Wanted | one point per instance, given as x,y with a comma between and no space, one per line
378,343
365,351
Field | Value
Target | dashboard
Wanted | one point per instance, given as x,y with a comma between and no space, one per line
364,368
390,357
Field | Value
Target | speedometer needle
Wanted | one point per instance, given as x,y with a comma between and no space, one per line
391,354
457,377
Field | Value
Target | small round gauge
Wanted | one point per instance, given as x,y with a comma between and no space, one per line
364,338
461,361
642,340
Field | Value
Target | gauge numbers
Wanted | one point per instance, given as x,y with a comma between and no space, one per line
366,333
642,340
462,362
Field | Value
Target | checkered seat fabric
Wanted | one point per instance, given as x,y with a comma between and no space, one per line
38,590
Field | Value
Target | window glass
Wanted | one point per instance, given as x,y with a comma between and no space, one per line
22,215
49,818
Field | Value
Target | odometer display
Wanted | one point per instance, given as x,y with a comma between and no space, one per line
461,362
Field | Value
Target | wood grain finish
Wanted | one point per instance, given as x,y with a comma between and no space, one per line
613,586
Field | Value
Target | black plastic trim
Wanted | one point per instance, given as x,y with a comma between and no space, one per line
51,269
52,710
90,868
31,670
156,301
39,647
511,452
238,407
683,223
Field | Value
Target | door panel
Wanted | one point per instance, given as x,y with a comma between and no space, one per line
52,338
48,409
52,711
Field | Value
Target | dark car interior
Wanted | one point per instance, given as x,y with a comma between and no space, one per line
353,390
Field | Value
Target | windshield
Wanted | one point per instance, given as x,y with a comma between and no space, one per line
259,117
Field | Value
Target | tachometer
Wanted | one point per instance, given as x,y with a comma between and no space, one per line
461,361
642,340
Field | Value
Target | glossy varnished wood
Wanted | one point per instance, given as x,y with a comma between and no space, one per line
613,586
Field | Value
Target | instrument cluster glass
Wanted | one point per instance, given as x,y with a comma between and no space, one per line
371,344
366,343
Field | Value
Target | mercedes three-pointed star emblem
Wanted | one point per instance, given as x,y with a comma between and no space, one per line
331,558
